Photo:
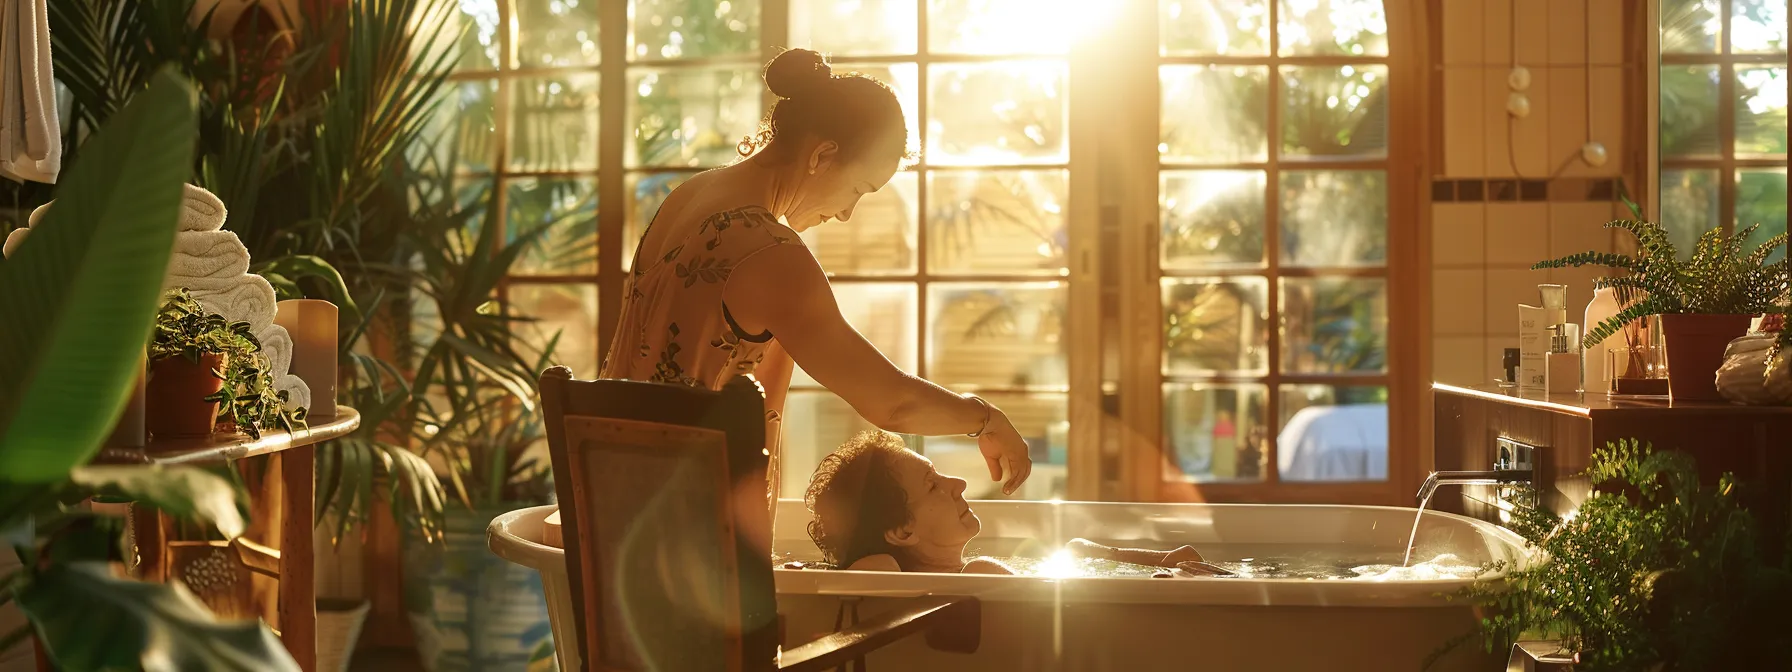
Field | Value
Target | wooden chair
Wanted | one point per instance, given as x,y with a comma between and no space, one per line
668,538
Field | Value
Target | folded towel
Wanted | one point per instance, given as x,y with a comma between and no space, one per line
244,298
298,395
30,133
201,211
206,254
12,241
276,345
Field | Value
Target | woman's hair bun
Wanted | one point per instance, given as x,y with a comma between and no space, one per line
797,73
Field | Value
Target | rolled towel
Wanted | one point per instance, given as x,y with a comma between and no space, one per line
244,298
206,254
201,211
298,395
276,345
12,241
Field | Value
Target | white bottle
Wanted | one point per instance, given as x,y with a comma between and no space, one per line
1603,307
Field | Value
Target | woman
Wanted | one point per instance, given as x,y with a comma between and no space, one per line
722,286
880,507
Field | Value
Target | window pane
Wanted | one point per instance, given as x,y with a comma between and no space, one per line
568,207
854,27
884,313
880,238
1332,27
570,310
1213,27
1211,218
996,335
1691,26
1333,433
645,192
1213,114
999,26
1689,110
1334,325
476,22
690,116
996,221
816,422
1761,199
1041,419
458,137
556,33
1688,206
904,78
1334,217
554,123
1214,325
1761,111
1335,111
1758,26
997,113
693,28
1216,432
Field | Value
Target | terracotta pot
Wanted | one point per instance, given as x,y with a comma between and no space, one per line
176,405
1695,346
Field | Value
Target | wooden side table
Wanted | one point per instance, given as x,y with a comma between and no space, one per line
278,542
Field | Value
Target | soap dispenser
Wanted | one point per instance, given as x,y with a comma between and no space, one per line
1562,362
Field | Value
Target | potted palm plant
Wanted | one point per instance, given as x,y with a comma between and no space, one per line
1705,301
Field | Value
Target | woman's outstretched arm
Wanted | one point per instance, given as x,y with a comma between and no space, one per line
783,290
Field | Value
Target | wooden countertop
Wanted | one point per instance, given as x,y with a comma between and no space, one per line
1594,403
226,447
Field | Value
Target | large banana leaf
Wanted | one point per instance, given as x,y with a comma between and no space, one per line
80,294
93,621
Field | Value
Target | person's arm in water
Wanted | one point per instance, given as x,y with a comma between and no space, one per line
1138,556
783,290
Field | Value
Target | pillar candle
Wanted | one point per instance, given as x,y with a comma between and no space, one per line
312,325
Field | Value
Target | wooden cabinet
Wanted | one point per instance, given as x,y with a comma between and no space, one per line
1753,442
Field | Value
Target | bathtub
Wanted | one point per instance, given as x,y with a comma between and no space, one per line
1100,624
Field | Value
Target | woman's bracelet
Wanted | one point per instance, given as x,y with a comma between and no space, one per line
988,412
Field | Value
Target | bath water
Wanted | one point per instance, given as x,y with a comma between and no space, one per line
1262,561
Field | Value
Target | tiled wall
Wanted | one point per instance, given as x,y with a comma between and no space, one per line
1490,222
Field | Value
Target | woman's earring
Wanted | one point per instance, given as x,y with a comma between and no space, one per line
811,171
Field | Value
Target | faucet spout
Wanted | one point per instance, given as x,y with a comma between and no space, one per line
1488,477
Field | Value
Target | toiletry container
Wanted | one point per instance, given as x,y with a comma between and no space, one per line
1593,361
1563,361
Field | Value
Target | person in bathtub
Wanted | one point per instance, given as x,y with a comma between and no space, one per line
879,506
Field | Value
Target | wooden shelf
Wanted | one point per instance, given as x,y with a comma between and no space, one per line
219,448
1589,404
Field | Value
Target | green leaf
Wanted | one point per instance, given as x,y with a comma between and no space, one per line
181,492
79,295
90,620
301,266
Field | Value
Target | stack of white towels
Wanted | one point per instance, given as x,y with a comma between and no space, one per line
213,265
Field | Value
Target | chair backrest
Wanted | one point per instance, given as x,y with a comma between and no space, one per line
662,506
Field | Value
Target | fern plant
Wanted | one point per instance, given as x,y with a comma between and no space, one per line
1674,573
1718,279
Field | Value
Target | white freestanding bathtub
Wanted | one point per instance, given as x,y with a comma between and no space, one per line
1135,623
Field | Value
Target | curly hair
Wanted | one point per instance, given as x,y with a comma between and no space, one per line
855,499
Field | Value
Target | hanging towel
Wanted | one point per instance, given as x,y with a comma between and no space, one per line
244,298
30,133
298,394
276,345
206,254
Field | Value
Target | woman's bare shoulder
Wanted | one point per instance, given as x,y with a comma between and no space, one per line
985,565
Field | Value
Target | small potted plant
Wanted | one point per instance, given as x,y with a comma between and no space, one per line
203,367
1704,302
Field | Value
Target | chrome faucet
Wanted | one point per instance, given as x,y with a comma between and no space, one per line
1514,465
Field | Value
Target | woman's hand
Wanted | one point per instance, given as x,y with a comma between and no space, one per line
1005,452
